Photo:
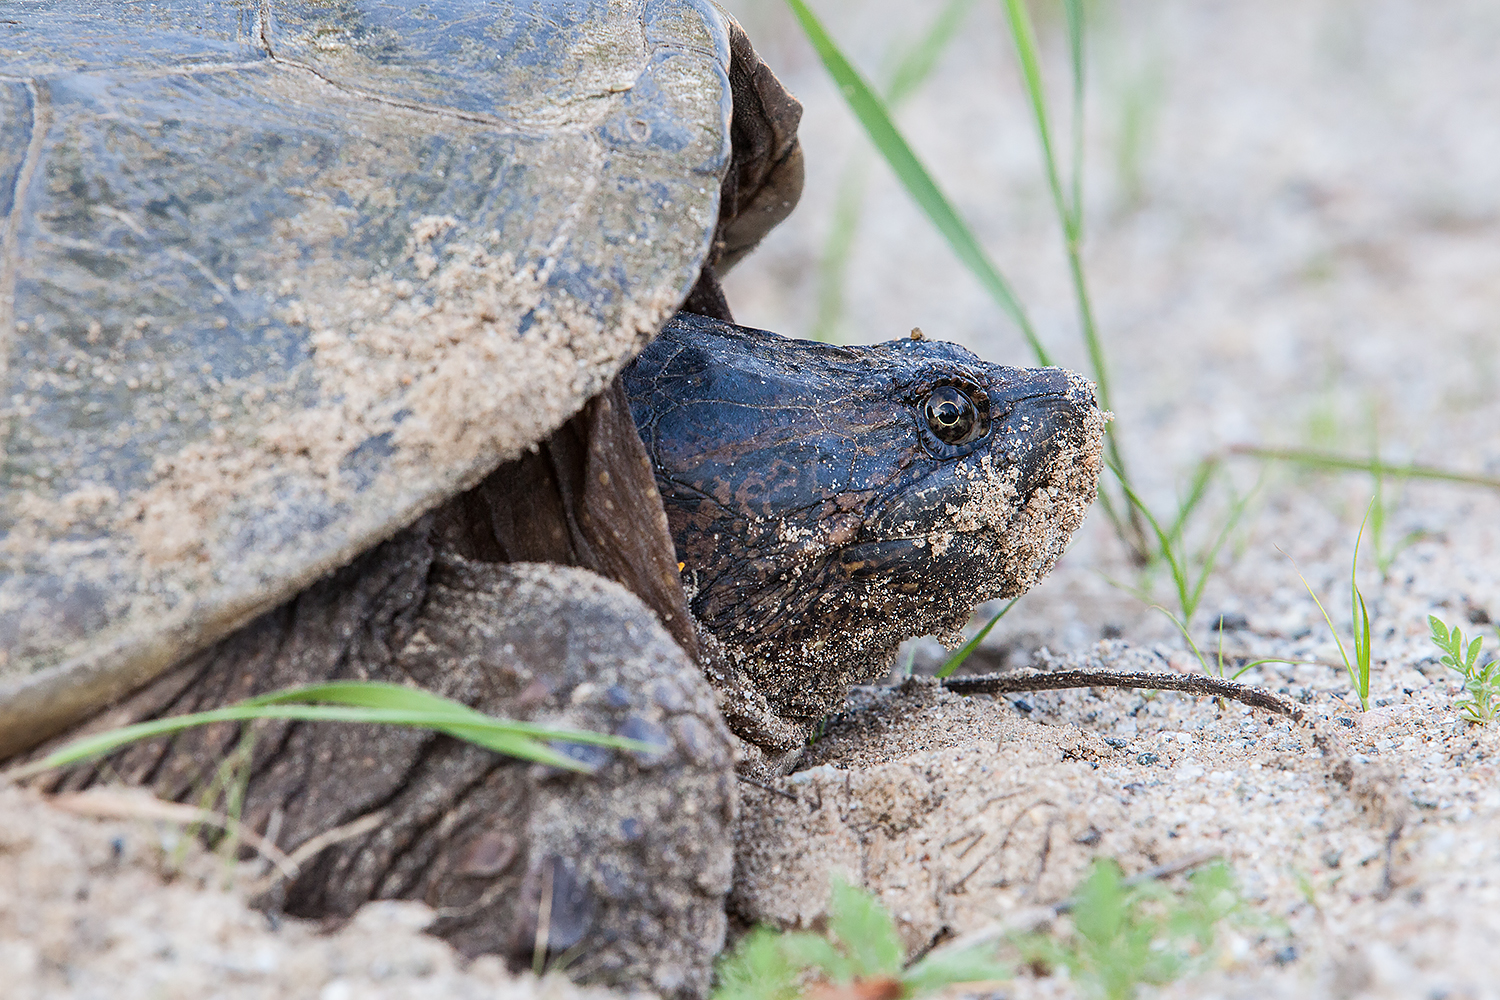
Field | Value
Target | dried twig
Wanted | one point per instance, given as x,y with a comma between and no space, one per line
137,804
316,845
1199,684
767,788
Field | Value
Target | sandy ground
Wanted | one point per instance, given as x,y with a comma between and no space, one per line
131,909
1294,239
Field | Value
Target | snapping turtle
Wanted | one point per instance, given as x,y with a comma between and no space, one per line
313,314
829,503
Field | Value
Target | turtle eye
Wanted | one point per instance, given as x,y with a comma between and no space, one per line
951,415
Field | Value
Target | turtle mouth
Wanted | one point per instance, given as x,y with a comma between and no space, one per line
900,558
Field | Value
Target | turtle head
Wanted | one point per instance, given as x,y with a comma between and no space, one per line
830,502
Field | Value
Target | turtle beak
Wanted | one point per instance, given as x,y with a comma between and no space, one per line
903,559
991,522
1040,421
1038,417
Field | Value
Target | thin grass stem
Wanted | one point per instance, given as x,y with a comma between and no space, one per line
1070,216
1374,467
956,660
1359,618
1073,11
1343,654
892,145
1197,653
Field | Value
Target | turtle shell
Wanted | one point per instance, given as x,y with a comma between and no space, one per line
278,277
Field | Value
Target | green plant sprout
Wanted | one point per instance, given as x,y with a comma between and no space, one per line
1219,663
963,652
1359,612
358,701
1127,935
861,953
1480,699
1189,570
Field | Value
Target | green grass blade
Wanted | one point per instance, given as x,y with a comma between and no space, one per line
1211,556
1361,625
1073,11
838,247
888,140
1071,217
1343,654
376,695
1024,36
1330,461
1359,617
910,73
1202,475
919,62
1167,550
525,747
1255,663
402,701
1197,653
362,702
956,660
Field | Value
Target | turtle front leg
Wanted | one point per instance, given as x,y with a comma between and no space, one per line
631,863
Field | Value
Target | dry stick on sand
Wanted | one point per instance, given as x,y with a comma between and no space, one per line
139,804
768,788
1037,680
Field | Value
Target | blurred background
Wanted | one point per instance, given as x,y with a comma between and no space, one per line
1291,214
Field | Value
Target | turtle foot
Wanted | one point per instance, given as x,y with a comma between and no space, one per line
617,876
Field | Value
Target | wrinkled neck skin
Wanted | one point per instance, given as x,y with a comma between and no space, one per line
821,522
